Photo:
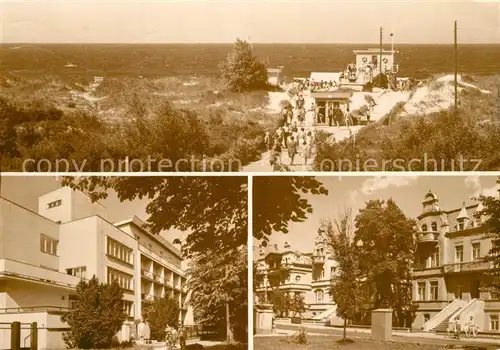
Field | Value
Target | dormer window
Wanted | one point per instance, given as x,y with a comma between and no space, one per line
461,224
434,226
424,228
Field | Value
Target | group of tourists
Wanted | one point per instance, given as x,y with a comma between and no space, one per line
470,329
291,135
172,336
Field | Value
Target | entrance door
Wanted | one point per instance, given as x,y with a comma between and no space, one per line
474,289
458,293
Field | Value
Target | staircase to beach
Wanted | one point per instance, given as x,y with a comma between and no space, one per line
392,81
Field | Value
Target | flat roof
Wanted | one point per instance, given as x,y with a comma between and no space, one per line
374,51
337,94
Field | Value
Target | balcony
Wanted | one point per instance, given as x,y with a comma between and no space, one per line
295,286
17,269
318,259
421,271
468,266
427,237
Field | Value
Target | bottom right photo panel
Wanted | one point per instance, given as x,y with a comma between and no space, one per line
376,262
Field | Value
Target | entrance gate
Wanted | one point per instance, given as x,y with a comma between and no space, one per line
17,342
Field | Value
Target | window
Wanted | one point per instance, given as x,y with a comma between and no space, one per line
332,271
434,290
297,278
421,291
318,295
54,204
476,251
78,272
424,228
48,245
459,253
434,226
72,301
128,307
119,251
435,257
123,279
461,224
494,323
322,274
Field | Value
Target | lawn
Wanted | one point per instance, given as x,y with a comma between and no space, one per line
330,342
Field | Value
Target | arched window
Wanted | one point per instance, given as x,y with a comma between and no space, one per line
318,296
424,228
298,278
434,226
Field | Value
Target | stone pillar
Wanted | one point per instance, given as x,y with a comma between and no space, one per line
382,324
264,319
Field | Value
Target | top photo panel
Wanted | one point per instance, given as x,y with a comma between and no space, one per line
249,86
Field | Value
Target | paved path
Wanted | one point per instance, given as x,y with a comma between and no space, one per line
422,337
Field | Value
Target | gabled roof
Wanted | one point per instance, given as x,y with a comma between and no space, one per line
463,213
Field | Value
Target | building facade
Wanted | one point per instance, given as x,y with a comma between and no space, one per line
44,255
295,272
450,270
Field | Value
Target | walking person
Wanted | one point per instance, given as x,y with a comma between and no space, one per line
182,337
268,141
306,152
292,149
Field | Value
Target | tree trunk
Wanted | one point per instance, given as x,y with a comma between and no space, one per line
345,329
229,332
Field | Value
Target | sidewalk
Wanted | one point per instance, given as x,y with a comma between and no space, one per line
416,336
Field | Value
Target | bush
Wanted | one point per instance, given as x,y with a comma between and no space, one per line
98,315
159,314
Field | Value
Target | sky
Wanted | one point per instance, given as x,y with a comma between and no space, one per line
25,190
271,21
407,191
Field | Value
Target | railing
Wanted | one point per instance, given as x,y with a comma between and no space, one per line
474,308
468,266
445,312
427,237
161,260
15,268
318,259
19,310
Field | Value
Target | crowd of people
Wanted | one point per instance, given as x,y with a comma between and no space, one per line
291,135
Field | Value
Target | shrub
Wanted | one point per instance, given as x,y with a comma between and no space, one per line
98,315
159,314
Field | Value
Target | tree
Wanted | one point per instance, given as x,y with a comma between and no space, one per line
277,200
386,251
280,301
346,287
97,316
491,213
219,283
243,71
161,313
297,304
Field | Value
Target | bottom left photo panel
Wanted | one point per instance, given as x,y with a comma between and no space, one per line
131,262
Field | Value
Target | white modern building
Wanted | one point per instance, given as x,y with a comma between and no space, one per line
44,254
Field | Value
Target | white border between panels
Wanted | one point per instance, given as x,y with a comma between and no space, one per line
250,262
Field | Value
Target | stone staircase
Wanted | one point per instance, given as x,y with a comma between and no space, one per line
443,326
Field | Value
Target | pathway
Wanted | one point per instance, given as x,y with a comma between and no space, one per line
428,337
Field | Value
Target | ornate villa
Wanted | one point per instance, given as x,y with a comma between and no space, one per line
447,281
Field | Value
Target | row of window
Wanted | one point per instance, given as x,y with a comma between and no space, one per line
459,255
124,279
119,251
80,272
54,204
48,244
434,291
461,225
